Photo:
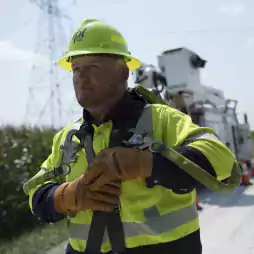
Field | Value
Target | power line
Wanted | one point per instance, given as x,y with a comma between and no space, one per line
213,30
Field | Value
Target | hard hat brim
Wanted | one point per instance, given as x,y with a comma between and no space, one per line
133,63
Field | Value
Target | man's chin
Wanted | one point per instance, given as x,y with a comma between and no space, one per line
86,104
84,100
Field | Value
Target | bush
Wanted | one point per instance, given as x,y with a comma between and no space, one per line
21,153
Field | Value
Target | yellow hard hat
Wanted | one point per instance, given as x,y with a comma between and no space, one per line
96,37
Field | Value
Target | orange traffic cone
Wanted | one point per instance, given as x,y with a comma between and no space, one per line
200,208
245,174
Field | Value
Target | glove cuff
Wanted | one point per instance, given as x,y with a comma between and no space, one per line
65,198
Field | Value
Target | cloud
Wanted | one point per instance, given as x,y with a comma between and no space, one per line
16,76
14,80
234,9
9,52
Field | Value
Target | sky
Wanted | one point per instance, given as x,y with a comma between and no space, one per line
220,31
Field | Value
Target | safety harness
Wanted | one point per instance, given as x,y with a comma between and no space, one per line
141,139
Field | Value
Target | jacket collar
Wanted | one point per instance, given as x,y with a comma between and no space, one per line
126,109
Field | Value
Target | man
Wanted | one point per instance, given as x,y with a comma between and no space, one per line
154,197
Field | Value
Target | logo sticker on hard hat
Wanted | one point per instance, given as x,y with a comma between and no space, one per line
79,35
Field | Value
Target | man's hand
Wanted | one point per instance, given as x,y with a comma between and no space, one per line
120,163
82,194
100,187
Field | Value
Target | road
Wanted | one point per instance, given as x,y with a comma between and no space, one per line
227,222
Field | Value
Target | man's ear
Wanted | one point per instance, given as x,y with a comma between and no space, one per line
126,72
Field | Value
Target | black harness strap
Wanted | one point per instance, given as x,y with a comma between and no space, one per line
101,220
110,221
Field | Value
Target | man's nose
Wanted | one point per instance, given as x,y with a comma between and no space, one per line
84,73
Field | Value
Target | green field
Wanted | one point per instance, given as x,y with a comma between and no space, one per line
38,241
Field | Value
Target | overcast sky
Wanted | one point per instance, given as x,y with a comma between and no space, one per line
220,31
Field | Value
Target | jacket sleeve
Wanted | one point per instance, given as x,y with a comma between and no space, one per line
41,200
198,144
169,175
43,204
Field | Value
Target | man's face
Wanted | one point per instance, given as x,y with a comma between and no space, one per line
97,78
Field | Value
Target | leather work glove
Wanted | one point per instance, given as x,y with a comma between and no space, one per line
121,163
81,194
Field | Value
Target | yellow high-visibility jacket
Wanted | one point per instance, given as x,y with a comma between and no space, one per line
149,215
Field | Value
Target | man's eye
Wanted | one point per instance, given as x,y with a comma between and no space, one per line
75,69
94,66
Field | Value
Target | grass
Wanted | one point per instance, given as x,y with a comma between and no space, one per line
38,241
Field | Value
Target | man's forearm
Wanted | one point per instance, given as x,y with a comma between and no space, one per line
169,175
43,204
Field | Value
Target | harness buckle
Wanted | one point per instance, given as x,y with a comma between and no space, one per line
69,149
143,141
